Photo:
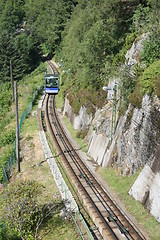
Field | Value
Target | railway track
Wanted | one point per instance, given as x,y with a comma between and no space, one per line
52,67
105,213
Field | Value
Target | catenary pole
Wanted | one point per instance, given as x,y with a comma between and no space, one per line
17,126
115,107
114,116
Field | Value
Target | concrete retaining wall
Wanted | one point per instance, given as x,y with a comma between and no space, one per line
146,189
66,195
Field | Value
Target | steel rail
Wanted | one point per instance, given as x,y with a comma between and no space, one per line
98,190
123,228
108,227
107,207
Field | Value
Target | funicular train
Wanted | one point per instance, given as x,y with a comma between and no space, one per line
52,83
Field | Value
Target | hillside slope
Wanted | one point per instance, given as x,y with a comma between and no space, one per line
135,144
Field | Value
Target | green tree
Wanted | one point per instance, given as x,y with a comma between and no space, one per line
151,48
156,7
94,34
150,80
8,51
12,14
47,21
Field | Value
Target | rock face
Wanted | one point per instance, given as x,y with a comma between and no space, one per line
99,134
146,188
133,54
78,121
135,141
135,144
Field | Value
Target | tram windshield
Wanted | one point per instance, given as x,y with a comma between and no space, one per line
51,82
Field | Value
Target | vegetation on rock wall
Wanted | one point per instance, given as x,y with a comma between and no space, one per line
96,40
150,80
92,37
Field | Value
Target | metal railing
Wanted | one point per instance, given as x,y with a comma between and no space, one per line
10,164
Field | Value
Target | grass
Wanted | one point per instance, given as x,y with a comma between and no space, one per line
59,101
121,185
26,88
55,227
74,134
31,155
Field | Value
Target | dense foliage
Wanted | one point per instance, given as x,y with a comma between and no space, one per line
95,41
95,33
23,209
150,80
91,37
27,31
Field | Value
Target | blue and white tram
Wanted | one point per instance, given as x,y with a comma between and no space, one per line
52,83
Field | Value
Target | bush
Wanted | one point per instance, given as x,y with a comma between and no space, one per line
82,134
120,57
7,137
128,85
150,80
151,48
88,98
74,102
142,19
23,211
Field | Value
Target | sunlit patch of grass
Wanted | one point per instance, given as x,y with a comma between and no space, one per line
121,185
59,100
74,134
57,229
29,127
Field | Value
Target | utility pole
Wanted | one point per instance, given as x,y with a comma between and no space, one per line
114,109
114,120
11,76
17,127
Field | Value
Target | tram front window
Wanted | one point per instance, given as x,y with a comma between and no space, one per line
48,83
51,82
55,82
